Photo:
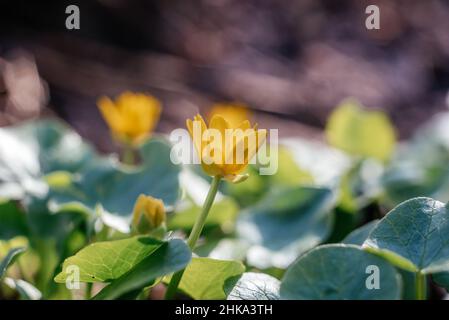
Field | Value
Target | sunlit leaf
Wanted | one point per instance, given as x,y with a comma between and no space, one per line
167,258
361,132
413,236
109,260
253,286
204,278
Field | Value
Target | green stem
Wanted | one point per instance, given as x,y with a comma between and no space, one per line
88,290
195,234
421,286
128,155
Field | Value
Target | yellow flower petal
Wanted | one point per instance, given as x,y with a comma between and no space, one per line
219,144
148,214
132,117
234,113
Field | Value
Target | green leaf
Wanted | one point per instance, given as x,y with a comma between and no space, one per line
58,146
420,166
9,259
13,221
414,236
339,272
25,289
361,132
358,236
109,260
286,223
33,149
116,187
253,286
442,279
223,213
204,278
168,258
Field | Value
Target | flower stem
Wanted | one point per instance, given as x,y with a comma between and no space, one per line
195,234
420,286
128,155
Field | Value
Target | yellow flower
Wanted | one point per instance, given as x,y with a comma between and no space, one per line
148,214
132,117
234,113
224,150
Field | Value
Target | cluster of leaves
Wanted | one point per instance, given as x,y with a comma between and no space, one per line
292,235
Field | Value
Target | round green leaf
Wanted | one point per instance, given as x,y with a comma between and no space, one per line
414,236
285,224
339,272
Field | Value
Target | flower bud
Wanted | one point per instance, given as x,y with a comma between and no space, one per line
148,215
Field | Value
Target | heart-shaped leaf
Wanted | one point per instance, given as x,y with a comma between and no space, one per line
286,223
414,236
108,260
340,272
168,258
253,286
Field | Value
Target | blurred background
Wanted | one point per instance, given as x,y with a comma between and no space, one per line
292,62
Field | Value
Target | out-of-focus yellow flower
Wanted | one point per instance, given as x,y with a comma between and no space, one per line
131,117
234,113
148,214
224,150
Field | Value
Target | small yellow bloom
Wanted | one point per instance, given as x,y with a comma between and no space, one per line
224,150
148,214
234,113
131,117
